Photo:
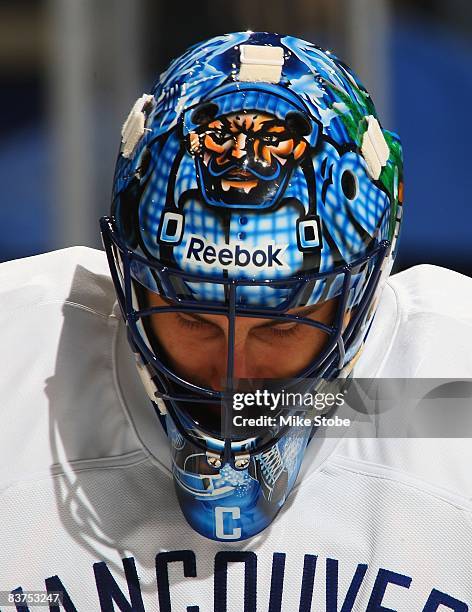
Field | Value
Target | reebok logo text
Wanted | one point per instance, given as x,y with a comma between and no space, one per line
268,255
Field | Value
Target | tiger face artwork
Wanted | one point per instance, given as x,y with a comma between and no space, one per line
245,159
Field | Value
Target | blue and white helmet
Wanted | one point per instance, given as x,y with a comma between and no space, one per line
253,179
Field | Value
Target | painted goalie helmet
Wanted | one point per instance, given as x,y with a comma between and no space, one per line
253,180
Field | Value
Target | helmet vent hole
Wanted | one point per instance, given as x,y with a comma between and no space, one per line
309,233
349,184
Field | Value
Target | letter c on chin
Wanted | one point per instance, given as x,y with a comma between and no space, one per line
235,513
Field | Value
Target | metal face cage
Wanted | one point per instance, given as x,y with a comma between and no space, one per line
176,393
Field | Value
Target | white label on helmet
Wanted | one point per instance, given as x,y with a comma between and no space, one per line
133,127
374,148
261,63
266,256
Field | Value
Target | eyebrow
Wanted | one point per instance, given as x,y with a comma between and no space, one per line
302,312
305,312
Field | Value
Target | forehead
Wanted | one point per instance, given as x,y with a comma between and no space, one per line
317,310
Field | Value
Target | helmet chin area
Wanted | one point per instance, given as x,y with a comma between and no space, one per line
234,500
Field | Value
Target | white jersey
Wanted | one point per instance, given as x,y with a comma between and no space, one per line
87,502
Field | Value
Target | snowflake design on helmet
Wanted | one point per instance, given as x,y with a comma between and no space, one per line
292,450
238,479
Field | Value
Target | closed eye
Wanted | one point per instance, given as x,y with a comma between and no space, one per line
192,322
201,325
282,330
285,332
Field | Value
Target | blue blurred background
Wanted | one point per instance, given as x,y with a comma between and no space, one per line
70,71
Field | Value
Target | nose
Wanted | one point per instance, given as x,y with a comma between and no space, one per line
244,365
239,149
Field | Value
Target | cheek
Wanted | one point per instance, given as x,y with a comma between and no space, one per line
211,145
168,333
218,153
282,152
187,352
285,356
306,350
284,149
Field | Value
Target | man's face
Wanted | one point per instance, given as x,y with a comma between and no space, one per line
244,158
197,344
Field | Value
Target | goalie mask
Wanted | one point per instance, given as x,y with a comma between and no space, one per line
254,181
